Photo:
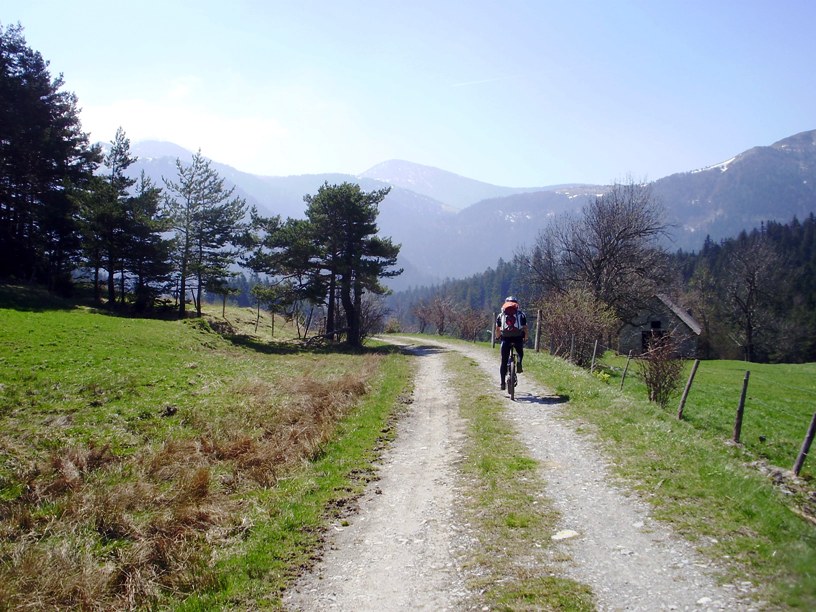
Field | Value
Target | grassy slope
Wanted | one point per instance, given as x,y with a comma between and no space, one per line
142,461
779,405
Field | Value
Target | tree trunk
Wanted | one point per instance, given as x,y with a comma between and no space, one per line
111,284
198,293
330,307
749,343
350,305
182,291
97,289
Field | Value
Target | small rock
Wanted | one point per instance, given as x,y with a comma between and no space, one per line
565,534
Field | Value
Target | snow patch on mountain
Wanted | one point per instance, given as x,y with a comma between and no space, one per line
722,167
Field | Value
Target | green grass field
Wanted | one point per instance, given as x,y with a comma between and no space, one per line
779,406
150,463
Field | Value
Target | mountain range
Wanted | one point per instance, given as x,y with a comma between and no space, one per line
451,226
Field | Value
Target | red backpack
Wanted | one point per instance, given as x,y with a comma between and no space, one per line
511,321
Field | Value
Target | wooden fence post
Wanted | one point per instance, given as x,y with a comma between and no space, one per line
800,460
686,390
626,369
594,352
572,348
741,408
538,330
493,331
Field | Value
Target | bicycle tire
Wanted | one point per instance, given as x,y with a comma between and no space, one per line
511,379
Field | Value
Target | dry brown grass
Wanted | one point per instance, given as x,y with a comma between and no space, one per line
96,531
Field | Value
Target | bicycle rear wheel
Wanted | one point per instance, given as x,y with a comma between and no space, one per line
511,379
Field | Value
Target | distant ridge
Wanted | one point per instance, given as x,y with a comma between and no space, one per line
451,226
446,187
158,149
775,182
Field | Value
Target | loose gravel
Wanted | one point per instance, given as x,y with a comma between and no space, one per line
402,549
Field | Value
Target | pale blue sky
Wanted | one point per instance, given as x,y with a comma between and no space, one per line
516,93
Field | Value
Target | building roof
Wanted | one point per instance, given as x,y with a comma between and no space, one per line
681,314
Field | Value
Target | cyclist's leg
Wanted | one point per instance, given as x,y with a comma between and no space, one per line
520,351
505,355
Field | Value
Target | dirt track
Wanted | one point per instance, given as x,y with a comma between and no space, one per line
403,548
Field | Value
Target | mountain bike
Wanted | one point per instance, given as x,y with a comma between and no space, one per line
512,380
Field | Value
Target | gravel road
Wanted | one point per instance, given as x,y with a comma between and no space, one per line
402,549
399,551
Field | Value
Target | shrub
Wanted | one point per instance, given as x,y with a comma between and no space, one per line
660,369
572,321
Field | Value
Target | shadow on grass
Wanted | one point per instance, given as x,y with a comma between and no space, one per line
294,347
32,298
37,298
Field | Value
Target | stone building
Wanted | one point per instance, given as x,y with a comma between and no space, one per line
662,316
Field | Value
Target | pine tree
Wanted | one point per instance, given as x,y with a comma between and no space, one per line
114,229
148,253
44,156
207,221
343,224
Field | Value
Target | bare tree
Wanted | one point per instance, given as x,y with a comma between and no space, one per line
373,315
470,323
441,309
422,311
612,249
703,296
752,276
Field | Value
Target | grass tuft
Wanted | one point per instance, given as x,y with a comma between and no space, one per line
512,522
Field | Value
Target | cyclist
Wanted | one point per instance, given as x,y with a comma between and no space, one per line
511,329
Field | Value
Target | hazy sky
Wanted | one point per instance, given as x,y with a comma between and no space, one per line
511,92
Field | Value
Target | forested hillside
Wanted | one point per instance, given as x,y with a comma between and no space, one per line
754,290
775,182
483,293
